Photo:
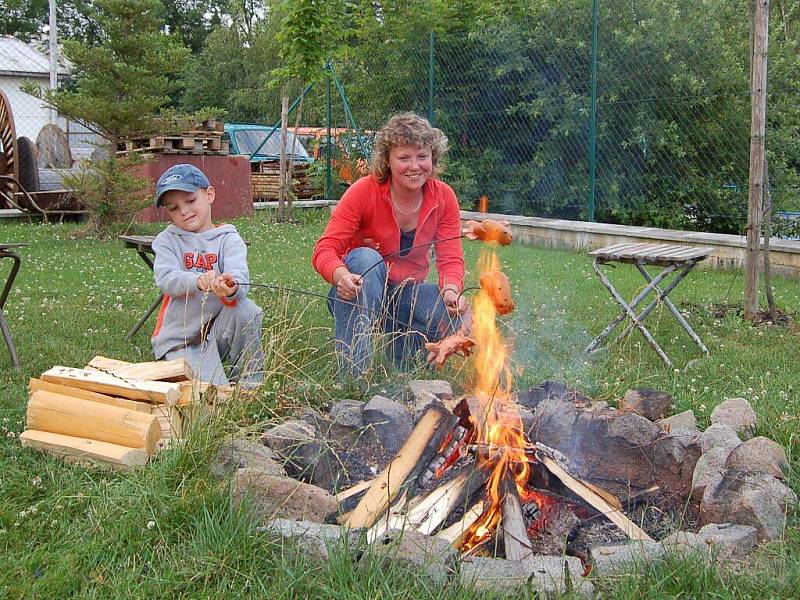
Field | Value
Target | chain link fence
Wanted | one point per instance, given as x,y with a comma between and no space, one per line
672,128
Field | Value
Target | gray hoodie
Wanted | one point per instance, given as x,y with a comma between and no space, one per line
181,257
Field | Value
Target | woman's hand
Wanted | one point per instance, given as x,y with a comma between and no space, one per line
454,301
348,284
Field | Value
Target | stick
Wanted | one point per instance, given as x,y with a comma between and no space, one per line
76,449
352,491
614,515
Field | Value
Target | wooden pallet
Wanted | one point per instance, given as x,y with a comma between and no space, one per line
195,142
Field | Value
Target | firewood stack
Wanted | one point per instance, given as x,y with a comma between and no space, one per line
112,412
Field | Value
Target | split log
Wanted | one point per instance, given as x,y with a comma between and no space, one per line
157,370
352,491
455,533
155,392
425,439
614,515
515,534
56,413
169,420
76,449
425,514
34,385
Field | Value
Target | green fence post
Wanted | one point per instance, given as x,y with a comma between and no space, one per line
278,124
593,112
431,78
328,150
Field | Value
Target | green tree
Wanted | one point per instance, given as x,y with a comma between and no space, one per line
119,86
23,19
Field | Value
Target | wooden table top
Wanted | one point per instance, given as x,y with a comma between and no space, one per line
655,254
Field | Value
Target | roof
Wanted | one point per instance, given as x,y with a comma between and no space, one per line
18,58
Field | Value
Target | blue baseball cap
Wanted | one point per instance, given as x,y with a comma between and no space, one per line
184,177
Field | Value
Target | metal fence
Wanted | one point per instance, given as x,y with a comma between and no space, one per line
668,145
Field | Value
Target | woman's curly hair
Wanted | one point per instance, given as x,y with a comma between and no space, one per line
406,129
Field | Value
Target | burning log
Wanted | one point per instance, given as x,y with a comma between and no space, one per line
497,287
515,533
455,533
424,441
489,230
614,515
458,343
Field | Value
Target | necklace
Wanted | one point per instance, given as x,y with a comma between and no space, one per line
397,208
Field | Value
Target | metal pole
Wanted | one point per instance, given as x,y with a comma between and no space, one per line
593,111
431,78
53,54
328,149
348,113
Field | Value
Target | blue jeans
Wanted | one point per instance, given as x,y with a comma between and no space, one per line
410,313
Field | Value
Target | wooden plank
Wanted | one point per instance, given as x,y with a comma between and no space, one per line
76,449
157,370
169,419
83,418
385,487
606,249
645,250
608,253
614,515
35,385
156,392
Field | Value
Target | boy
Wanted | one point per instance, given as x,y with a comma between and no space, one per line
205,317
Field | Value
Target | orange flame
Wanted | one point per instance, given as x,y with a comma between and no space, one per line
500,434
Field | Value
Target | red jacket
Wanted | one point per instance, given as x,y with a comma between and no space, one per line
364,217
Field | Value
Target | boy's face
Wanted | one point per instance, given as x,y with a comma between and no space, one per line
191,211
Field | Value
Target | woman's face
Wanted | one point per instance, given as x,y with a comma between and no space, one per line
411,167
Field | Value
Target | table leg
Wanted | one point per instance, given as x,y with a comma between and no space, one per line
143,319
6,332
623,315
662,295
630,312
156,303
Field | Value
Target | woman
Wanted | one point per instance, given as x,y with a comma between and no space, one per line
398,212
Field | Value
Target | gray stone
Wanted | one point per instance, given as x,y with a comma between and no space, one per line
622,558
737,414
270,496
391,421
681,420
754,498
708,470
431,554
305,455
347,413
542,575
637,430
759,454
553,423
316,539
719,435
649,403
676,454
238,453
552,391
713,541
426,391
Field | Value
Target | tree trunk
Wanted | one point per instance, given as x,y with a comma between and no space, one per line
282,166
294,148
773,310
757,132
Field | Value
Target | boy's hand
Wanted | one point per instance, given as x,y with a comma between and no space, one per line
224,286
205,282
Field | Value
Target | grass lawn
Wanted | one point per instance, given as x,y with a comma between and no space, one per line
167,531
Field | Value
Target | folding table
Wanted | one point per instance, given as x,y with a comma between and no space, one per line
8,251
677,261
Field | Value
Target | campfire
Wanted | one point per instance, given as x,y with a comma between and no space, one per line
469,475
